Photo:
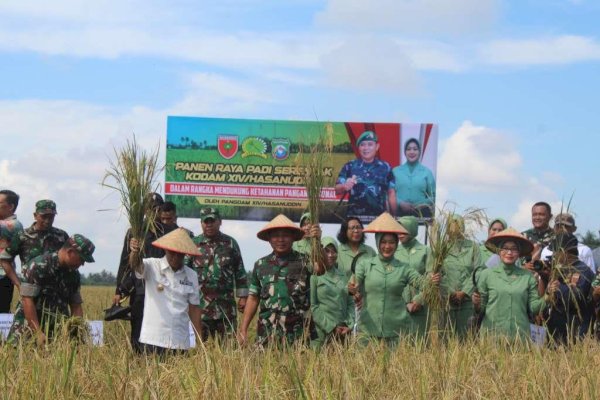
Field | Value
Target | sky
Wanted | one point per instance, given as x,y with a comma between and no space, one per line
512,85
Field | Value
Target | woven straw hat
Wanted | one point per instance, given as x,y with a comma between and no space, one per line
493,244
177,241
279,222
385,223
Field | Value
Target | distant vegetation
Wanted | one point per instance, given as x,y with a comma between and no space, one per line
103,278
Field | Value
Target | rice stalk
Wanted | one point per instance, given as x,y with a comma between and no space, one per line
446,232
313,163
133,174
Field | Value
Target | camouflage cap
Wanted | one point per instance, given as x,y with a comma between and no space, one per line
83,245
366,135
45,207
209,212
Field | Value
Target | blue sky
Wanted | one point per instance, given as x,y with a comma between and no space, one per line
512,84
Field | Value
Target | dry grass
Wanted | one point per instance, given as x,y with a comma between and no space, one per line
482,369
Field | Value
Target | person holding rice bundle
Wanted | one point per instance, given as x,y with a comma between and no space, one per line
331,306
303,245
508,296
457,281
380,281
172,295
413,253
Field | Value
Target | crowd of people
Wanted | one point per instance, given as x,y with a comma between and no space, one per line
542,276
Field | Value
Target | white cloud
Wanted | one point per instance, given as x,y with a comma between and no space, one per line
477,158
212,94
564,49
60,150
415,17
371,63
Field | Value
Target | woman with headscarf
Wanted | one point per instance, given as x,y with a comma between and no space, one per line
457,279
509,295
415,184
331,308
496,225
352,243
413,253
303,245
380,282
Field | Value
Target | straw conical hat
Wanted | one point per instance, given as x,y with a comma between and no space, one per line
279,222
494,243
385,223
177,241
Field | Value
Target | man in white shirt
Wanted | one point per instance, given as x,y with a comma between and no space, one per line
566,222
172,296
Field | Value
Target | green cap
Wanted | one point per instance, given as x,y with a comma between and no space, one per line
366,135
209,212
45,207
83,245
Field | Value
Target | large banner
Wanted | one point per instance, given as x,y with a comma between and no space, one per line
250,169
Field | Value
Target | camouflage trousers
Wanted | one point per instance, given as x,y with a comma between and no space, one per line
282,330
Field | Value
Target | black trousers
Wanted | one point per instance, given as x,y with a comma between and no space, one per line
137,315
6,294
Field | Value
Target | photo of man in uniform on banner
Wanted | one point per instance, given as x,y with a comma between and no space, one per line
369,185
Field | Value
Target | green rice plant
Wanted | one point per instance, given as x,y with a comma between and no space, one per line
133,174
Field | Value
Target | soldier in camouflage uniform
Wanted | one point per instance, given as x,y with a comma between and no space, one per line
9,227
40,238
221,275
541,235
369,181
51,290
279,288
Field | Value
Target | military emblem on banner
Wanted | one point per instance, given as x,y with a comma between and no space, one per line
227,145
280,148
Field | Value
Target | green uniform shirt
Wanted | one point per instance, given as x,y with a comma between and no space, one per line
346,255
382,283
508,294
329,303
415,184
458,269
302,246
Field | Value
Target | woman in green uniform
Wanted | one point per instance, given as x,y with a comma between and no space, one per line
413,253
457,280
508,294
352,242
332,311
381,281
496,225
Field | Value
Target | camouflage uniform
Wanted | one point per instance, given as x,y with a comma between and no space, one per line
282,287
9,227
368,197
53,289
30,243
543,238
220,270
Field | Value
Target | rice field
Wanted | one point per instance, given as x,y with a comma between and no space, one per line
479,369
